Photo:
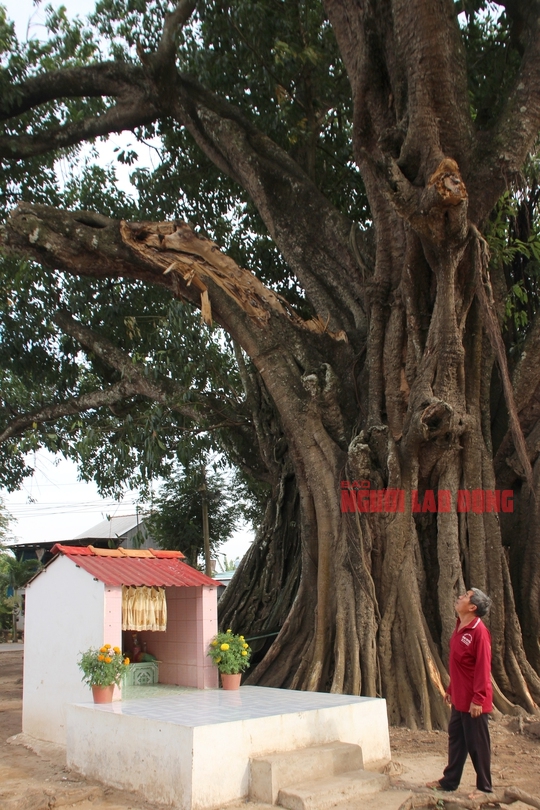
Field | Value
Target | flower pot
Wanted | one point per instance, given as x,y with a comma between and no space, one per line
231,681
103,694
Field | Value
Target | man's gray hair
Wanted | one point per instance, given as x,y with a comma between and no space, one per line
481,600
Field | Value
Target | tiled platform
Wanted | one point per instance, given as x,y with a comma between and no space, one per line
190,748
158,690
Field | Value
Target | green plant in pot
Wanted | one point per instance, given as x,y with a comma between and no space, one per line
231,654
102,670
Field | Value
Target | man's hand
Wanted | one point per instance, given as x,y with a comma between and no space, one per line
448,700
475,710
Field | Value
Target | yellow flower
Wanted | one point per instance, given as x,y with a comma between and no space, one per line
214,643
245,646
229,631
126,661
224,647
218,660
108,660
244,652
116,650
107,646
241,638
101,658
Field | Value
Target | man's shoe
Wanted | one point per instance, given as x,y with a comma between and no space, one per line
436,785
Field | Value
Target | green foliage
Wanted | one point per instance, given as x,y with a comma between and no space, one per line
229,652
513,235
102,667
14,574
493,58
6,614
5,520
177,519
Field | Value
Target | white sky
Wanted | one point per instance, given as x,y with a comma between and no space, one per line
53,504
29,16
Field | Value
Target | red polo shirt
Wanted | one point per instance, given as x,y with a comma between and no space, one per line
470,667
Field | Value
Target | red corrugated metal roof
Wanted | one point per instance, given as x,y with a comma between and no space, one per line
122,569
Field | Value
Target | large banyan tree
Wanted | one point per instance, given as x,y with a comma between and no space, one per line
331,182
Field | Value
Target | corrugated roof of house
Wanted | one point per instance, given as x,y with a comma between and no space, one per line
115,527
121,566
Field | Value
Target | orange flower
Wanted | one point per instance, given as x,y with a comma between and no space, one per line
101,658
108,660
126,661
116,650
103,649
107,646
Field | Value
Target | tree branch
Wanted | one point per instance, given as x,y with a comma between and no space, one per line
113,79
135,382
116,119
166,51
51,413
507,796
135,105
171,395
159,390
485,297
168,254
311,233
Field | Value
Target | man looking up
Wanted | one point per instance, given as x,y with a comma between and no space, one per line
470,695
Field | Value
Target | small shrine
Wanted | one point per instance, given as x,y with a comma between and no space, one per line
159,610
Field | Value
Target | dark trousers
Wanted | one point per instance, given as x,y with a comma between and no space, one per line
468,735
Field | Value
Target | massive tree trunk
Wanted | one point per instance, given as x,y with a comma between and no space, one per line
387,386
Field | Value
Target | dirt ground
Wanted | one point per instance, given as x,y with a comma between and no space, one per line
39,780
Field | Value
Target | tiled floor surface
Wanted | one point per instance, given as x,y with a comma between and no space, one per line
197,707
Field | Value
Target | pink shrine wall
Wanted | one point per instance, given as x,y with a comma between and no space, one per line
181,649
112,623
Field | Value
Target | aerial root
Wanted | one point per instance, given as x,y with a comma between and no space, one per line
452,802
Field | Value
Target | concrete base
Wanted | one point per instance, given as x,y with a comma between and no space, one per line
192,750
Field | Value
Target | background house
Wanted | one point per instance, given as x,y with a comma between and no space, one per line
127,531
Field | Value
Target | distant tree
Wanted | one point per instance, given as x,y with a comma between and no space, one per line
5,519
228,565
177,522
14,574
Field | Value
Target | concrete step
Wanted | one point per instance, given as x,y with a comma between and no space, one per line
270,773
321,794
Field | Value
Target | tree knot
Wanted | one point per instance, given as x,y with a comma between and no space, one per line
448,183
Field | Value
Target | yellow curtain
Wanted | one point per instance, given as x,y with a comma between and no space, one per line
143,608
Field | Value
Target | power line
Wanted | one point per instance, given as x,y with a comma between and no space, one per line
65,509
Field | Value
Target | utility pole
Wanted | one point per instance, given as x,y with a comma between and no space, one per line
206,530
